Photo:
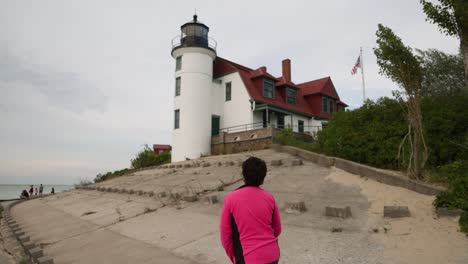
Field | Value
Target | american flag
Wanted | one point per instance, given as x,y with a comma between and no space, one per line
356,66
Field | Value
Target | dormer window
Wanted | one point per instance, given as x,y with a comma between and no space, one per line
268,88
291,96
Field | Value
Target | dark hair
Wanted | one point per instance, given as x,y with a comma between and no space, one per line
254,171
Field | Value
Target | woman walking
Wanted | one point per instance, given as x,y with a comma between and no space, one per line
250,220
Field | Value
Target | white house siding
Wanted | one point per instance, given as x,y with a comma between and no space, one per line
193,137
237,111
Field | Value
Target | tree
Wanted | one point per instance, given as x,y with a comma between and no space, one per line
452,18
397,62
147,158
443,74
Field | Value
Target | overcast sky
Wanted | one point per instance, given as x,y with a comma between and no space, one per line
84,84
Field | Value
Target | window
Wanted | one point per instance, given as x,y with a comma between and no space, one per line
300,125
177,86
291,96
324,104
331,105
176,119
178,63
228,91
268,88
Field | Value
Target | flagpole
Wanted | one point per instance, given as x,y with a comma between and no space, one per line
363,82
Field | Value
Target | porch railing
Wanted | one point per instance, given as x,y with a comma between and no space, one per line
260,125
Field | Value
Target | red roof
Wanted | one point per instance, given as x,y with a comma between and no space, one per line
161,147
308,94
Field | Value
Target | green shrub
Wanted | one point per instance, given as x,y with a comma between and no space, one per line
464,222
144,158
456,175
288,137
370,134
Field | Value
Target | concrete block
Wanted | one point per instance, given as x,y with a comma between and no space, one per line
206,164
338,212
187,165
171,166
296,162
19,233
213,199
175,196
130,191
13,226
396,211
196,165
220,164
295,207
190,198
162,194
35,253
23,239
448,212
28,245
11,222
150,193
178,166
276,163
140,192
45,260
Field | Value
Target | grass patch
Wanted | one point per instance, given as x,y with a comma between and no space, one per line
24,261
288,137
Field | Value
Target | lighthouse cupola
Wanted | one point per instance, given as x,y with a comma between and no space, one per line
194,34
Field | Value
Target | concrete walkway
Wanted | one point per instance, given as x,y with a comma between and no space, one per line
96,226
72,240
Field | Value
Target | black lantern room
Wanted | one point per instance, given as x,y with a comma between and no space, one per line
194,34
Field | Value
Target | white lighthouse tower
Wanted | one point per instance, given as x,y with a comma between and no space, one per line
194,53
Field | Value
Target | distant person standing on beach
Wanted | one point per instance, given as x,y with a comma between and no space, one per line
31,191
41,189
36,191
53,191
250,219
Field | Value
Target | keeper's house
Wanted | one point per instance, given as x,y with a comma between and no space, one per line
214,95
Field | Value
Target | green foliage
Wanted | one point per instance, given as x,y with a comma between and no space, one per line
397,61
370,134
445,119
450,15
109,175
464,222
24,261
456,175
443,73
147,158
144,158
288,137
452,18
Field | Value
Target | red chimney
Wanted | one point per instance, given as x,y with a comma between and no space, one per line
287,69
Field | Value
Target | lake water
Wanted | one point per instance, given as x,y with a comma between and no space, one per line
12,191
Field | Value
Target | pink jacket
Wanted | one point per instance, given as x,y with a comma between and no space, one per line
250,226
